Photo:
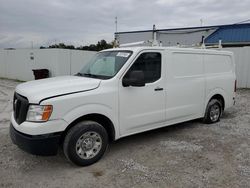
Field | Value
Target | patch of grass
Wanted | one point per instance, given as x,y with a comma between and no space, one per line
15,80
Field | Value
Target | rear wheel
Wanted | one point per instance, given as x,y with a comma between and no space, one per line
85,143
213,111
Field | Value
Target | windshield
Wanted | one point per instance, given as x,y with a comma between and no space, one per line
105,65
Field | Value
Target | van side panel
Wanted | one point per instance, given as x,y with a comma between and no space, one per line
185,85
220,77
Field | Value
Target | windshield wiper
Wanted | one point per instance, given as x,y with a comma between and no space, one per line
86,74
93,75
90,75
78,74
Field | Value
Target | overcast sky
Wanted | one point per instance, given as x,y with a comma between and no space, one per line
82,22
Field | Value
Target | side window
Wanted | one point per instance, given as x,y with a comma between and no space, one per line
150,64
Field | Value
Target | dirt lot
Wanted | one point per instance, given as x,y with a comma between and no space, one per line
190,154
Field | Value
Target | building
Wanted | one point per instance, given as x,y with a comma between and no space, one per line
231,35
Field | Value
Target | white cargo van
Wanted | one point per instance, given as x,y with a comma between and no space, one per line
120,92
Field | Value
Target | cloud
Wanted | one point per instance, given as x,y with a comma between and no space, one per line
82,22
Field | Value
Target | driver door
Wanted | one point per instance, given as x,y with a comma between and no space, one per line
143,108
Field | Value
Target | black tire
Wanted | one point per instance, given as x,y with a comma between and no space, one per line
212,104
78,132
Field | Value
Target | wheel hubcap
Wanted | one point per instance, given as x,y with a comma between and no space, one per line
88,145
215,112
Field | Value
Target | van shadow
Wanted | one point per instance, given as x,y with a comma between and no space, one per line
155,135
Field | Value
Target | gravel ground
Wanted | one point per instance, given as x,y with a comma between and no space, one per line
189,154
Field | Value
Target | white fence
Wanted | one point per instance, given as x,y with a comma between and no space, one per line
18,64
242,61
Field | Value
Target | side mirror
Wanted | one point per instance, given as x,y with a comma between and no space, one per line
136,79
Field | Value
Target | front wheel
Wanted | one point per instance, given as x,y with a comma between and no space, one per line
85,143
213,111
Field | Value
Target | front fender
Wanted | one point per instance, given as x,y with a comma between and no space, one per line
87,109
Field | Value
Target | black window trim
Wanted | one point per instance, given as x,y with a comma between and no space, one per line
160,51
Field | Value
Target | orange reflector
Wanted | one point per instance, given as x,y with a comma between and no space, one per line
47,112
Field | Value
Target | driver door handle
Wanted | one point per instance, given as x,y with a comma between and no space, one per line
158,89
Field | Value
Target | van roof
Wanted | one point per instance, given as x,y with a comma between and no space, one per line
199,50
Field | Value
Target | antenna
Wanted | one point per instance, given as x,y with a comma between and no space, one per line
203,42
116,24
220,44
154,42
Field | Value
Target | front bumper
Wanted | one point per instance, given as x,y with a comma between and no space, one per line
46,144
35,128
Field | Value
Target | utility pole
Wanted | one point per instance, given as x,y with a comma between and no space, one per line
116,24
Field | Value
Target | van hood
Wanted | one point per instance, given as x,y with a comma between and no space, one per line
38,90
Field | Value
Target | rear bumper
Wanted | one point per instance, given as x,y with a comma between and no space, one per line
46,144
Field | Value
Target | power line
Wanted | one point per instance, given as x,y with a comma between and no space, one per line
242,21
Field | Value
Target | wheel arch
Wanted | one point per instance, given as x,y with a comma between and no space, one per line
99,118
217,93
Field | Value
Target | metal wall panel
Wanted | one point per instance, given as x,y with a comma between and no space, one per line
242,61
18,64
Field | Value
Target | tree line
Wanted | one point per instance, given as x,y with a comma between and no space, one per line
101,45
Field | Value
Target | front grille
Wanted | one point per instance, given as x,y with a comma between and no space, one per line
20,108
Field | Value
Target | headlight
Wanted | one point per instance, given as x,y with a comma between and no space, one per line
39,113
